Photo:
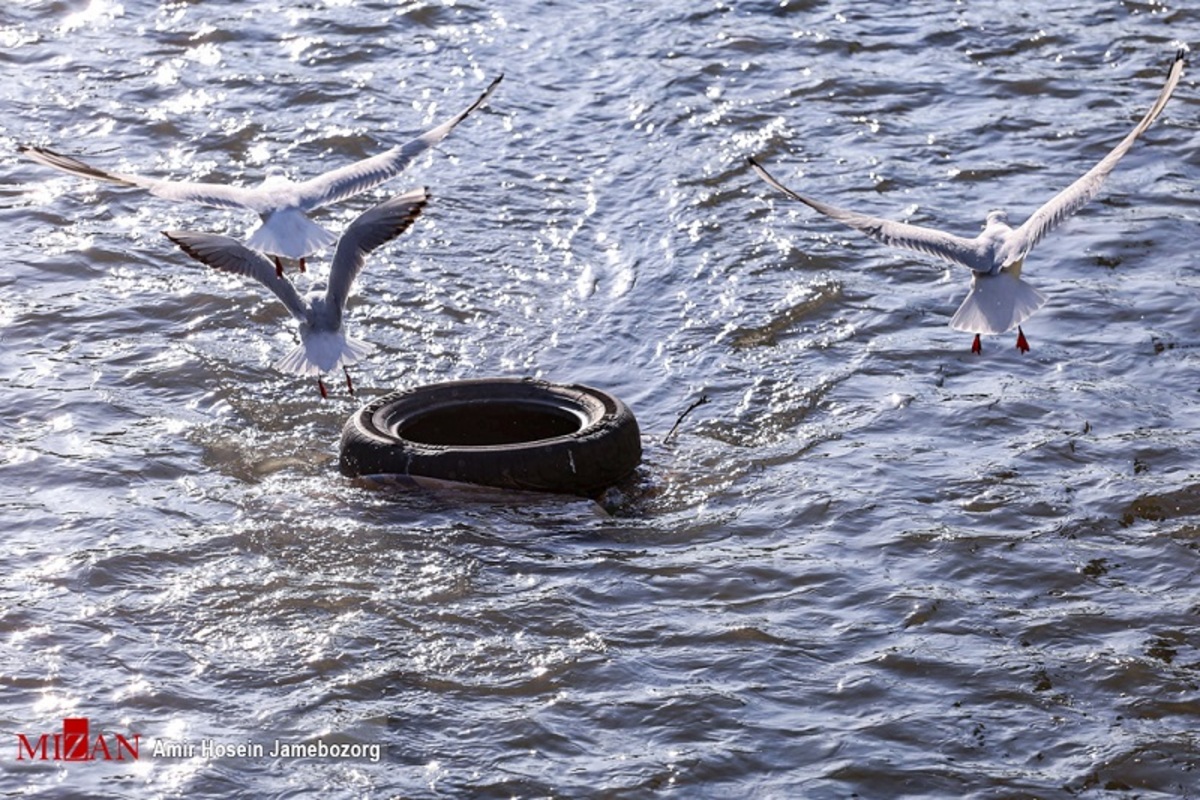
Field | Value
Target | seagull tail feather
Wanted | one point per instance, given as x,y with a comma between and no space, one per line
318,355
997,302
289,233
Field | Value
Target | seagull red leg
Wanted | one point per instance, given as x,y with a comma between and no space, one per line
349,383
278,267
321,387
1022,342
302,264
977,346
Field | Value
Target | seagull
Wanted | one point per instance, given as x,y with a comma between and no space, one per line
324,345
286,231
998,300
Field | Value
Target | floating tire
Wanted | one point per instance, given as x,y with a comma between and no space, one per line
501,432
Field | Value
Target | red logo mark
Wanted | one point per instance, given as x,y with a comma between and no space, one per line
76,744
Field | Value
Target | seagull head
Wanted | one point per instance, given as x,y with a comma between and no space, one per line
996,217
276,176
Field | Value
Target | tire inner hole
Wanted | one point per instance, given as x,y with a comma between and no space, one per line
486,423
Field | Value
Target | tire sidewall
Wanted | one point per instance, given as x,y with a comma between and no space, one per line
605,450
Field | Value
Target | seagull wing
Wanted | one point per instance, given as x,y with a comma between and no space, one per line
955,249
210,194
1075,196
362,175
370,230
229,255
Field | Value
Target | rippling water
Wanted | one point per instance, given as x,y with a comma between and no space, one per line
872,565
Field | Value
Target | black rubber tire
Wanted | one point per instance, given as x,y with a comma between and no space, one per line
509,433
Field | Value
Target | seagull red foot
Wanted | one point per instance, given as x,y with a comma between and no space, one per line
1022,342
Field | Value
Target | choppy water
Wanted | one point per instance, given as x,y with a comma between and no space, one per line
872,565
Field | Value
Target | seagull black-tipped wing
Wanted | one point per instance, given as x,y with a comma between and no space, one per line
1079,193
955,249
210,194
362,175
368,231
229,255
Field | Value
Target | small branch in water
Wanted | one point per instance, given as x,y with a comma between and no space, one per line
703,399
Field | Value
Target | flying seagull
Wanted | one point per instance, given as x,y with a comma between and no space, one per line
324,345
286,231
998,300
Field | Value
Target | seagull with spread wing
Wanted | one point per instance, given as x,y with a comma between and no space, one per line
998,300
324,345
286,231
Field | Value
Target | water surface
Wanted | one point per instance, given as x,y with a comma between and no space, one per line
871,565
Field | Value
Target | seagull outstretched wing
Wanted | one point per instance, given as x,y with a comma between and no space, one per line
362,175
211,194
1079,193
230,255
955,249
368,231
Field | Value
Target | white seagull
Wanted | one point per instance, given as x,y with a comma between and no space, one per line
286,231
324,345
998,300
